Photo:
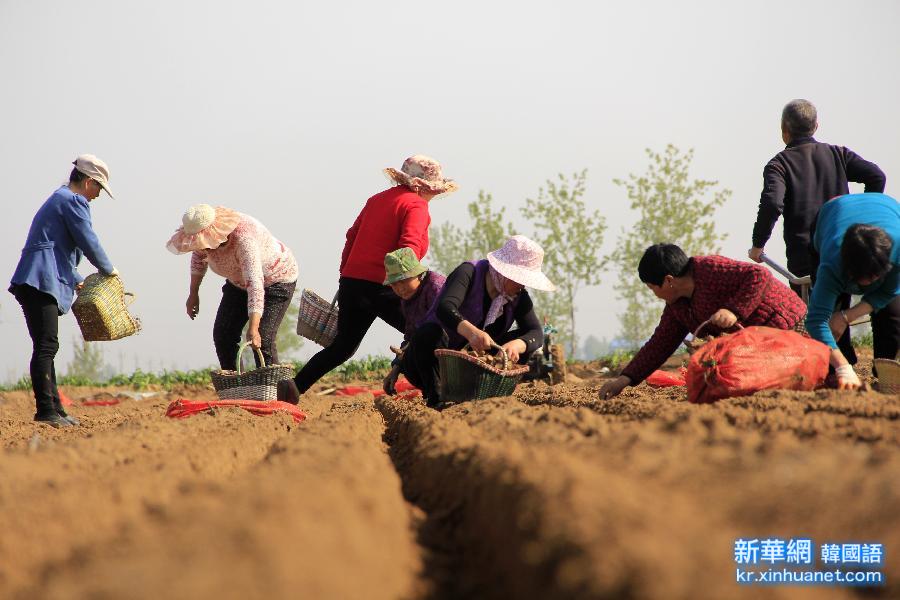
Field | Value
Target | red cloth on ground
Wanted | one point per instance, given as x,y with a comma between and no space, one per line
395,218
181,408
109,402
401,386
746,289
666,379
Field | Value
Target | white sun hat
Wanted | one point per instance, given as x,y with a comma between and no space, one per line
203,227
520,259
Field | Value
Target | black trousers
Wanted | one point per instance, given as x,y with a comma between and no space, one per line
420,365
232,316
360,302
42,319
886,330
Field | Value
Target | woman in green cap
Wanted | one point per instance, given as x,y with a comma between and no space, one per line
417,288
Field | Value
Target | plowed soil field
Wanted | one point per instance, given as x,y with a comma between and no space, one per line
550,493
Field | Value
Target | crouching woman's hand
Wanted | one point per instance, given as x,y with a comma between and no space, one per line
613,388
514,350
389,385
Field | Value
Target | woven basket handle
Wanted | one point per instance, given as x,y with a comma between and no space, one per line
321,324
129,298
241,348
707,322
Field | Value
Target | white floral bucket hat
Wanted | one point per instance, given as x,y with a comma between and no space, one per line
520,259
203,227
422,172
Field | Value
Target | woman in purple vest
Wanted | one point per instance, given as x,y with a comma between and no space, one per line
478,305
418,288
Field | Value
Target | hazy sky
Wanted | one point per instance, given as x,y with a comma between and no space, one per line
289,111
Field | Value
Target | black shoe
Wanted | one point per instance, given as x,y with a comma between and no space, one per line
72,420
288,392
53,420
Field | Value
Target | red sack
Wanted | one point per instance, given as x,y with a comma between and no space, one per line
754,359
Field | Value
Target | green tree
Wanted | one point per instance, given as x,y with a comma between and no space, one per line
87,361
571,238
452,245
286,339
671,209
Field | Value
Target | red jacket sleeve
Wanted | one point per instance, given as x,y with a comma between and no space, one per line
351,237
661,345
414,228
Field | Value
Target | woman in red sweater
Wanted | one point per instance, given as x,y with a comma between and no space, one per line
701,288
396,218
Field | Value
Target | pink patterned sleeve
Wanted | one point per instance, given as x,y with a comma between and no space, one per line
249,259
199,262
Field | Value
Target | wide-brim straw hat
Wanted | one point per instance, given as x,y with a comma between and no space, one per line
520,259
421,172
203,227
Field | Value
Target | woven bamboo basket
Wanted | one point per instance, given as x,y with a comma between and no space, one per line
259,384
466,377
317,320
101,309
888,375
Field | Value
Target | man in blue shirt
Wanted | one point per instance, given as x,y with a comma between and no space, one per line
46,278
857,239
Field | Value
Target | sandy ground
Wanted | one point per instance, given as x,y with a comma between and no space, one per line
547,494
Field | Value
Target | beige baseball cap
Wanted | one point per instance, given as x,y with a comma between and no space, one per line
94,168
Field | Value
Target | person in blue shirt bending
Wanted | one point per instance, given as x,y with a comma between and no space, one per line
857,242
46,278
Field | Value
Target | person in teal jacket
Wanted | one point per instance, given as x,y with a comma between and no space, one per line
857,240
46,278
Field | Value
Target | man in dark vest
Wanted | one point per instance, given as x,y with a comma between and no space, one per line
798,181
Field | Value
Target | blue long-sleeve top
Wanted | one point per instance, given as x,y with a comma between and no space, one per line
60,233
835,218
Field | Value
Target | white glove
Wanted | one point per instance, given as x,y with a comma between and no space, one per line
114,272
847,378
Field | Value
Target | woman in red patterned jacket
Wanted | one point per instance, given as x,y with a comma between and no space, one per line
724,291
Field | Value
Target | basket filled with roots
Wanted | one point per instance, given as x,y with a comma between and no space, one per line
467,375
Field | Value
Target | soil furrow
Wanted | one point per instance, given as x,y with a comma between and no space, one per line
321,516
564,503
65,494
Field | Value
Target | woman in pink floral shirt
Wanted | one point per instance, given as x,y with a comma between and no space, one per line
260,274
